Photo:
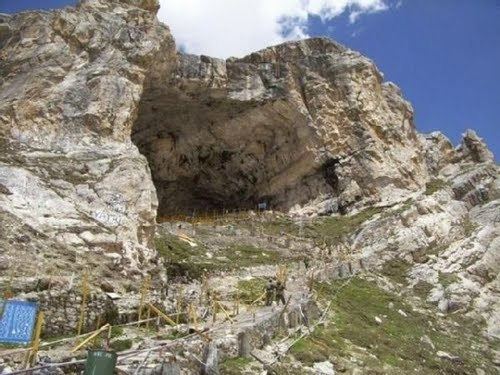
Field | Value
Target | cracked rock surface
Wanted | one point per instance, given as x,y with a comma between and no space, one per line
70,177
283,125
103,125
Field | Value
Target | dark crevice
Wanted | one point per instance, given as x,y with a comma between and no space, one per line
330,174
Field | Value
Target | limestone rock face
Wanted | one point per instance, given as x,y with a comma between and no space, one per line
448,238
283,125
99,116
438,151
75,191
473,148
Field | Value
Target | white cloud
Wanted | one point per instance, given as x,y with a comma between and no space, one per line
224,28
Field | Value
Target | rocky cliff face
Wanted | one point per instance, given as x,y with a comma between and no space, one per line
283,126
99,116
70,177
448,237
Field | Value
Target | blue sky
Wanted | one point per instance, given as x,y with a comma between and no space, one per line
444,54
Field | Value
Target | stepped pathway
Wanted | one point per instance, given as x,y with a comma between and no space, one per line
260,325
259,322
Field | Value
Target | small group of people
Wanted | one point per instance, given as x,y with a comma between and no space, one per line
275,291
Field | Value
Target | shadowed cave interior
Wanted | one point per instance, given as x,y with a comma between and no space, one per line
207,152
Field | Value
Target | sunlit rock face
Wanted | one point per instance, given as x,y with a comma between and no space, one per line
72,184
103,123
283,125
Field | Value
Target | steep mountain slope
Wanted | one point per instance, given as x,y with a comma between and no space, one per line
103,123
71,179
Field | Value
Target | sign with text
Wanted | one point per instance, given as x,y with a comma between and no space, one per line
17,321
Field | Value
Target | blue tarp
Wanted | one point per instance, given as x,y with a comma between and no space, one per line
17,321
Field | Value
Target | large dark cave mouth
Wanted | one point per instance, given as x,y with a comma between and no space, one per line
211,155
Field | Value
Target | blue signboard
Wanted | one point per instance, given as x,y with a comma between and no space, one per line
17,321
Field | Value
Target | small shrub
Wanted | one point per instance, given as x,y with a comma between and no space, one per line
469,226
121,345
446,279
435,185
116,331
250,290
396,270
234,366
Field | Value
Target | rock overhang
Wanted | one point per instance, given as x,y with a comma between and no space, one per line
267,126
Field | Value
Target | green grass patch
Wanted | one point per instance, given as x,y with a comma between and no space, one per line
323,229
435,185
121,345
395,342
116,332
184,260
469,226
422,289
396,270
271,225
241,256
250,290
178,256
233,366
446,279
334,229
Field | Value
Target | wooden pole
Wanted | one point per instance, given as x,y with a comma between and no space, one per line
83,307
35,344
148,317
193,316
91,337
144,295
108,337
161,314
225,312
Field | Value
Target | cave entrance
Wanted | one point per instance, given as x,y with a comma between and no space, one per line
199,162
208,152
